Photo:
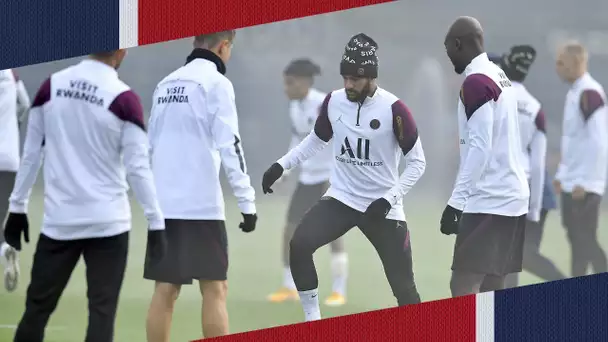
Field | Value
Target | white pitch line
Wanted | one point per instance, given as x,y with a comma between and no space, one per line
14,326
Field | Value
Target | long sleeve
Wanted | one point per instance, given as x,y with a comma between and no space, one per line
23,101
32,152
538,155
591,103
134,145
314,142
406,133
225,132
476,97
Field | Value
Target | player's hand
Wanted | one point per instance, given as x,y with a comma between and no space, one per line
557,186
249,222
450,219
274,172
376,211
578,193
533,216
157,245
16,224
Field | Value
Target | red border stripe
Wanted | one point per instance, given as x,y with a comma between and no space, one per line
162,20
445,320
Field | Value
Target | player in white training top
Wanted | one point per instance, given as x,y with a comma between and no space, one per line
194,132
581,176
532,127
90,127
489,203
304,105
14,103
368,130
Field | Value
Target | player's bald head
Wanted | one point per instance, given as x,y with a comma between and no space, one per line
571,62
463,42
574,50
466,27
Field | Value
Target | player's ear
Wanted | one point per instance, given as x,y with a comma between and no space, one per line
457,43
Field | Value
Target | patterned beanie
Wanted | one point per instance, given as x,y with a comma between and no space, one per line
518,61
359,58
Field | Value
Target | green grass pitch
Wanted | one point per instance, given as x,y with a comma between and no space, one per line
255,270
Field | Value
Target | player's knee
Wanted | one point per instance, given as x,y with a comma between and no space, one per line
300,246
463,283
214,290
167,293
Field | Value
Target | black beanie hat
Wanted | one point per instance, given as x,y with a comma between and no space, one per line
518,61
360,59
302,67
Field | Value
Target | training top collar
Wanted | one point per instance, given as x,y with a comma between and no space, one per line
208,55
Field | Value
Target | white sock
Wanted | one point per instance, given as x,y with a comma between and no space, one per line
310,304
339,270
288,279
3,249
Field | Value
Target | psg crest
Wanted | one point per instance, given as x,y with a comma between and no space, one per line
374,124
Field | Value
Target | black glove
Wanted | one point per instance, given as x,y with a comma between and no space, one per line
16,224
157,246
376,211
249,222
274,172
450,219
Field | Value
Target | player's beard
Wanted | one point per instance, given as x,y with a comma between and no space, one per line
355,96
458,69
457,66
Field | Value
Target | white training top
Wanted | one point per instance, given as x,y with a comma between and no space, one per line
194,128
368,141
303,114
534,146
491,178
584,150
89,125
9,127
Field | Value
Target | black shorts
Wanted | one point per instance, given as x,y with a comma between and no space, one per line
582,216
489,244
303,198
197,249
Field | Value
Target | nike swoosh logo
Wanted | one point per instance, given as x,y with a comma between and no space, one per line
313,296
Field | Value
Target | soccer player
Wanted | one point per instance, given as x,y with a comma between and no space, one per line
581,174
516,65
489,203
370,130
14,102
304,106
89,125
194,127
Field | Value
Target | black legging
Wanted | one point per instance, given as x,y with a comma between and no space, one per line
328,220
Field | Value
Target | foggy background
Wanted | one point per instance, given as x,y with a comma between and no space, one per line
413,66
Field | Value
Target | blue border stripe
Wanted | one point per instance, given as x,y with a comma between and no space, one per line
36,31
572,310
